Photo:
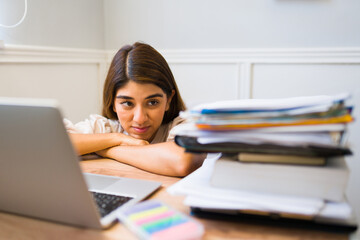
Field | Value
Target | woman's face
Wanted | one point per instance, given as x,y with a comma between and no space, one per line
140,109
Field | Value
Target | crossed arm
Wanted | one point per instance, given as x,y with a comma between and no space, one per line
162,158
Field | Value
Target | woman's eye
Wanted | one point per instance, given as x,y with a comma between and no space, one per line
126,104
153,102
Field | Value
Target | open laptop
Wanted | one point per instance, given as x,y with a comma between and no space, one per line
40,175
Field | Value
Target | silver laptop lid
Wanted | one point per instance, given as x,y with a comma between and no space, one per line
39,171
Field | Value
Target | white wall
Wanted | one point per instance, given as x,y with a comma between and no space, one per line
179,24
64,23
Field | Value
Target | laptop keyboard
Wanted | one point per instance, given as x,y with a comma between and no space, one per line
108,202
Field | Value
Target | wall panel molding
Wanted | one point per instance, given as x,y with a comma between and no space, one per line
24,53
273,55
36,54
72,76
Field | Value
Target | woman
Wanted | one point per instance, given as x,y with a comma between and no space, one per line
141,104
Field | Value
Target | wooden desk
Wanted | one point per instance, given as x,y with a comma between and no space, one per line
17,227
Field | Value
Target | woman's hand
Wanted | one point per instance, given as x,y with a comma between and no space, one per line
162,158
89,143
125,140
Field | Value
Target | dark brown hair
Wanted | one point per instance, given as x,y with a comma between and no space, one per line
142,64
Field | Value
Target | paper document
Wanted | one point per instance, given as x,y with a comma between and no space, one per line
273,104
199,193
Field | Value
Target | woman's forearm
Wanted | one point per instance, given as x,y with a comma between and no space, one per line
162,158
89,143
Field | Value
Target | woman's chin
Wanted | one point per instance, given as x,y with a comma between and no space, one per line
141,137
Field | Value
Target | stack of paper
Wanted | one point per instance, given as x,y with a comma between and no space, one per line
283,133
202,196
305,126
277,156
260,113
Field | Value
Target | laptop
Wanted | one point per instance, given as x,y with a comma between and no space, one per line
40,175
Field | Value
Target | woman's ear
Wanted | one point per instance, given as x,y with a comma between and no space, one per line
169,100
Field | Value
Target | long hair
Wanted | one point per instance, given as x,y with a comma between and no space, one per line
142,64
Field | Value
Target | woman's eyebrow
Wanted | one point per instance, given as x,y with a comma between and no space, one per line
155,95
150,96
124,97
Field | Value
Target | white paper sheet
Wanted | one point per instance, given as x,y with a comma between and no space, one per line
273,104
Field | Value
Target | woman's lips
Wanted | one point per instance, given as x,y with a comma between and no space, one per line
140,129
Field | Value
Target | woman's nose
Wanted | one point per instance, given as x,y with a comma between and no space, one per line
140,115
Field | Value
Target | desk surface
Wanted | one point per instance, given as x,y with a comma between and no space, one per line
17,227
